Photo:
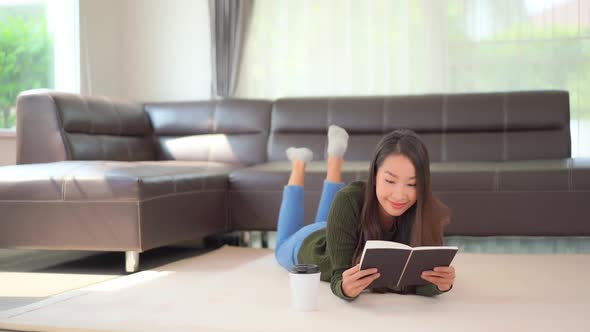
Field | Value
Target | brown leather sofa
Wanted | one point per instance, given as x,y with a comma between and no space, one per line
99,174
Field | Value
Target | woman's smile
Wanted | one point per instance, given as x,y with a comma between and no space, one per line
397,206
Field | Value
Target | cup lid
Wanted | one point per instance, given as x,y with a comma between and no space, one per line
305,269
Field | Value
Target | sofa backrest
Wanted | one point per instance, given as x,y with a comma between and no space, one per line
53,126
231,131
455,127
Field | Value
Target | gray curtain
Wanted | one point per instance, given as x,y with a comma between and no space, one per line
229,21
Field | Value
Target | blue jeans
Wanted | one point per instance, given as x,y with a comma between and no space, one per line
290,229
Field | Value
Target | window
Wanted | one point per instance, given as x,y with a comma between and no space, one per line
38,49
349,47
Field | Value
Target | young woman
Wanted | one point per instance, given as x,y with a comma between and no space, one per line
396,204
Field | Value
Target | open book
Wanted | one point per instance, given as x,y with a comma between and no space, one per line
401,265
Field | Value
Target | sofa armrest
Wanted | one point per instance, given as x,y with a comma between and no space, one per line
55,126
39,132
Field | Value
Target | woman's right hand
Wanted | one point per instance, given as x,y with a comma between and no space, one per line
355,280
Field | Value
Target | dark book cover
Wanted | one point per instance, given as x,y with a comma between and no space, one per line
401,265
425,260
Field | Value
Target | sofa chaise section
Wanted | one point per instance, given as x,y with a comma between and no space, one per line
110,206
98,174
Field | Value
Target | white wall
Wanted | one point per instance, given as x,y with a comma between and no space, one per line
145,50
140,50
7,149
100,47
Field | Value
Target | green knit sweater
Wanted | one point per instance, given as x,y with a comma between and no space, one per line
332,248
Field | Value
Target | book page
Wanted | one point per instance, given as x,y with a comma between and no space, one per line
437,248
377,244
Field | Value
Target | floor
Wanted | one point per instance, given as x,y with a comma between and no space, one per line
28,276
33,275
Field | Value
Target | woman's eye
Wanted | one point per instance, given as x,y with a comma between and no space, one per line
412,185
388,181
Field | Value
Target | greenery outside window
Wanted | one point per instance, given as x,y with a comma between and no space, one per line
38,50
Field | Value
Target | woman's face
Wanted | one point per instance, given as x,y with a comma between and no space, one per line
395,186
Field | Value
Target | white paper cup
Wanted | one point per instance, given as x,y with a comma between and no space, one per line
304,280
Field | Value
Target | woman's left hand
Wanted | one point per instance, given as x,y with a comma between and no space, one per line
442,276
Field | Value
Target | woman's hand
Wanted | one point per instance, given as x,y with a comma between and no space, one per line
355,280
442,276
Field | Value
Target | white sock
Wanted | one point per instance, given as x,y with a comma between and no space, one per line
303,154
337,141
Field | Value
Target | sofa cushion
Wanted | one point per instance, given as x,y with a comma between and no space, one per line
54,126
454,127
453,176
103,205
535,175
543,175
101,115
109,180
274,175
256,192
473,190
230,131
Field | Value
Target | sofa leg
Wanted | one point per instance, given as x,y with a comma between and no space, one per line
245,239
131,261
264,239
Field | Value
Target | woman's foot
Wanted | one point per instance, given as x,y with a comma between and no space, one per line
298,157
337,144
337,141
303,154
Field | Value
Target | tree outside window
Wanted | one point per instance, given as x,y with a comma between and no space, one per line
26,54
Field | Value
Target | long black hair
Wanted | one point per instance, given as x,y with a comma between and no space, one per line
422,224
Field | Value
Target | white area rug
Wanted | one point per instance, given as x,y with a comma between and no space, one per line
242,289
26,276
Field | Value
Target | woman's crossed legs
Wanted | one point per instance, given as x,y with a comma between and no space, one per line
290,229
